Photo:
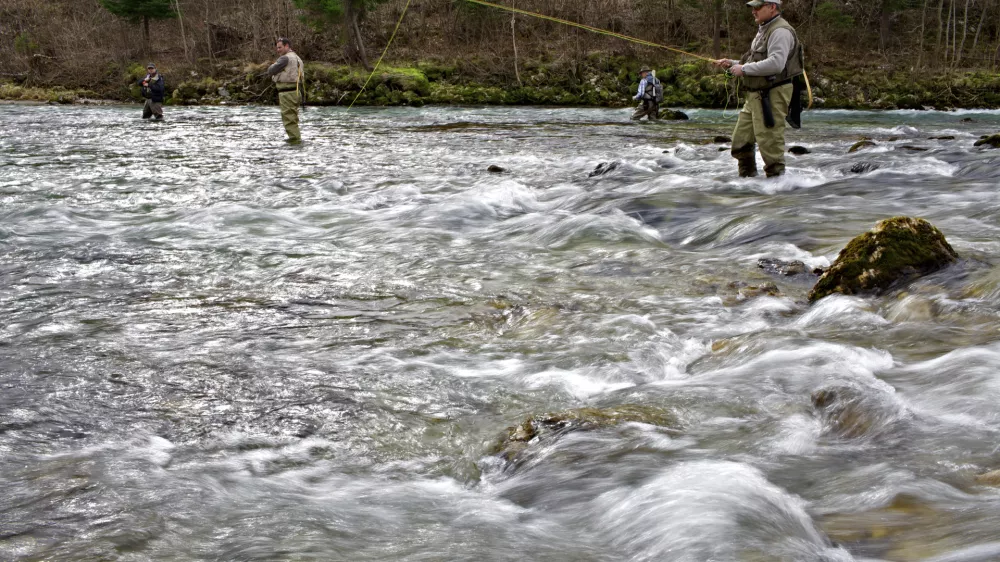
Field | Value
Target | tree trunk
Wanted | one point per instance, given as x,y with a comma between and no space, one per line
717,28
354,8
208,34
940,20
145,34
923,27
513,40
180,18
885,21
979,28
965,32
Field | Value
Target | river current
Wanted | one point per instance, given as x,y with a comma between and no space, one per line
217,346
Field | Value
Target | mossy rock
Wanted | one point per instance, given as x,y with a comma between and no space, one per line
861,144
546,426
992,140
673,115
897,250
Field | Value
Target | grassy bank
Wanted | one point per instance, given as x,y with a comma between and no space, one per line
598,82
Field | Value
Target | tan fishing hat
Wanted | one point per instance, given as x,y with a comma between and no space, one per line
759,3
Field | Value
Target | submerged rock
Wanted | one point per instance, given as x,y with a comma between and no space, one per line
799,150
913,148
604,167
745,291
989,479
673,115
897,250
992,140
944,137
721,139
861,144
847,412
775,266
864,167
494,169
549,426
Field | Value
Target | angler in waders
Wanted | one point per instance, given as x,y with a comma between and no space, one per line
649,96
769,73
287,76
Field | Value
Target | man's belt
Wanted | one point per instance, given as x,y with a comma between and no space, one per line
775,85
286,86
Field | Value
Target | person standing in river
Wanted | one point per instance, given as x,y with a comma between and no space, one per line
287,75
153,89
649,105
766,72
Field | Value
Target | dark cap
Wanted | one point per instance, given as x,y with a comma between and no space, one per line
150,65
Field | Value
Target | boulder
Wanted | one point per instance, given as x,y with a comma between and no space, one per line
991,140
603,168
549,426
721,139
863,167
494,169
847,412
673,115
943,137
897,250
861,144
799,150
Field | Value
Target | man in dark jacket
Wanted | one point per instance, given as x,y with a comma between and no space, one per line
153,90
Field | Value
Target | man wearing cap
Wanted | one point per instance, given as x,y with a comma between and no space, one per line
649,106
287,75
766,72
153,90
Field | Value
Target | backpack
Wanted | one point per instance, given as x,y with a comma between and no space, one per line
654,90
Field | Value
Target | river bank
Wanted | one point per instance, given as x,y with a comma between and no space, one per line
599,82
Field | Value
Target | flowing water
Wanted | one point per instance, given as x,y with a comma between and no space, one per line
216,346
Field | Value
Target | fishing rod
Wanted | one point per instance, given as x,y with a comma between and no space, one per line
619,36
592,29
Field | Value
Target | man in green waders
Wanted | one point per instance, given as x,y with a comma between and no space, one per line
767,73
287,76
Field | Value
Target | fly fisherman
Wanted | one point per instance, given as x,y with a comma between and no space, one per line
768,73
153,90
286,73
648,95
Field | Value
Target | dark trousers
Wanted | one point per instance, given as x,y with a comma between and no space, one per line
152,108
649,109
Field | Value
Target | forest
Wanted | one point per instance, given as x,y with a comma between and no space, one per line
918,49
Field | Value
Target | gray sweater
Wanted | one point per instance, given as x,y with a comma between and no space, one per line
778,49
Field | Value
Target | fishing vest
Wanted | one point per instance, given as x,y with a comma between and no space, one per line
794,66
292,71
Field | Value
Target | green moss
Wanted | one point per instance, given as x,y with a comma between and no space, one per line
896,250
992,140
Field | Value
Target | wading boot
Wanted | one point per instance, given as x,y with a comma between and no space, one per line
747,167
774,170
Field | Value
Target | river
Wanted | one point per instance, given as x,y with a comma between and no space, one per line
217,346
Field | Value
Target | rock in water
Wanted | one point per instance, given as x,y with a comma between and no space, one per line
673,115
721,139
860,145
799,150
603,168
494,169
897,250
993,140
864,167
546,426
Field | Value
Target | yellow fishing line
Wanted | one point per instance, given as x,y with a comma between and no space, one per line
589,28
384,51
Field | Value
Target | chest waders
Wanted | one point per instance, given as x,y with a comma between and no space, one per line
791,74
